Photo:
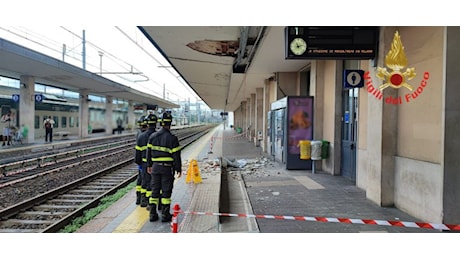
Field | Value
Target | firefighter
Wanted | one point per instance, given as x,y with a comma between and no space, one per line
163,161
146,189
142,128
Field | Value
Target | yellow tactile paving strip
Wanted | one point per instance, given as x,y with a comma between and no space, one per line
134,222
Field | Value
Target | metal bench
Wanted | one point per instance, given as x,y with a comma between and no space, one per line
61,134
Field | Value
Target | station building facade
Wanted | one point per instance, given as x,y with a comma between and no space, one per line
397,137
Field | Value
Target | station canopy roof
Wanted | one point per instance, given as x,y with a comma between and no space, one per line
18,60
224,65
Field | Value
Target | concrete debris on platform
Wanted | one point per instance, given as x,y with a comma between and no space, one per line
237,169
206,167
259,167
245,164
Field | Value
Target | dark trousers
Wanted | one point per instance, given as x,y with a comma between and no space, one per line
146,179
140,174
48,133
162,181
6,139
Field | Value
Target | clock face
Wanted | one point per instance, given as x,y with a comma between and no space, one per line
298,46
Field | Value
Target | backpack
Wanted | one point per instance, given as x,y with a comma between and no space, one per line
47,124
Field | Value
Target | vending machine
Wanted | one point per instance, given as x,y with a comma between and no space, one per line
291,122
269,134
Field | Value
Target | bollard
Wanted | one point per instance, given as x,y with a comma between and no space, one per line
174,218
210,146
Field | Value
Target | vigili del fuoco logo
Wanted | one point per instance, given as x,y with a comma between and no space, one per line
397,77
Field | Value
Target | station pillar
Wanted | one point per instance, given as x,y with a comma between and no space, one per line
131,117
84,114
27,106
109,122
259,116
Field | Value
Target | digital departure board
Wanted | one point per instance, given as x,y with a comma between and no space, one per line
331,42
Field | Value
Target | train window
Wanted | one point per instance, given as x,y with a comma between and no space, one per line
64,122
37,122
5,109
56,121
71,121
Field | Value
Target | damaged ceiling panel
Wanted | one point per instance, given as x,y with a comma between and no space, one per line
224,64
243,49
219,48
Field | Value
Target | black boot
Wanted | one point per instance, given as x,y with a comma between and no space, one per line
165,215
159,207
149,206
144,201
138,197
153,213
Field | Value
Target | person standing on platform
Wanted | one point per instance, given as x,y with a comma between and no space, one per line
24,131
48,124
138,160
6,122
163,161
141,156
119,125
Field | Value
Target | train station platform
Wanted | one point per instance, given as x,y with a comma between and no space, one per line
58,142
63,139
126,217
295,210
261,196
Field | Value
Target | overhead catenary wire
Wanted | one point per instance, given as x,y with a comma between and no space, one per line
107,54
157,61
70,47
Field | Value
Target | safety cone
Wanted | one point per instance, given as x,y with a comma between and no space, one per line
193,172
174,218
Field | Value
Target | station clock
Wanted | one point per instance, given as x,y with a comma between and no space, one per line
296,45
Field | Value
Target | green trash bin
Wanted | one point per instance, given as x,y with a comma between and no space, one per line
324,149
239,130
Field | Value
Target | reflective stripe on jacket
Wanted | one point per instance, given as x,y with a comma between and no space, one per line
163,146
141,146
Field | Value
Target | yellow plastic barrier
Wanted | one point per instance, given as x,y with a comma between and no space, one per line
193,172
305,149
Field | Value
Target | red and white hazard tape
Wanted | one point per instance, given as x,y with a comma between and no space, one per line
338,220
230,137
213,138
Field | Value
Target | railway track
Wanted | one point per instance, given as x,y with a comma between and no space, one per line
51,211
19,171
25,152
19,167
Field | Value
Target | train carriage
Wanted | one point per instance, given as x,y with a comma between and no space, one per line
65,115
